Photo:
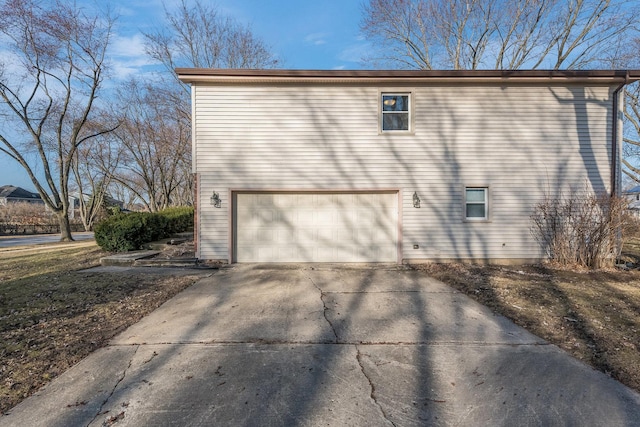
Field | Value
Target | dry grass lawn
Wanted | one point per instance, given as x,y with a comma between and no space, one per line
52,315
593,315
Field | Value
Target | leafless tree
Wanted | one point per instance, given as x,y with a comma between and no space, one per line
156,138
197,35
50,76
631,134
498,34
631,147
156,131
122,193
93,170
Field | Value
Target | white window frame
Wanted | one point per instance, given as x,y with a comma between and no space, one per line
381,112
486,203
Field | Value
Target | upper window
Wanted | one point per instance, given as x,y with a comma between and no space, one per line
395,112
476,203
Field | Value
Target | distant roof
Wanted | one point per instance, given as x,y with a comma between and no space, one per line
193,75
13,192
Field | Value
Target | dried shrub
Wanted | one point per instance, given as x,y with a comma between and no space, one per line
631,225
25,213
584,229
30,218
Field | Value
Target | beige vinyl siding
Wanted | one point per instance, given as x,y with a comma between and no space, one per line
520,141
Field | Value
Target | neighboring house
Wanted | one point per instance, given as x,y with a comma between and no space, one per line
13,194
74,202
108,200
111,202
394,166
633,195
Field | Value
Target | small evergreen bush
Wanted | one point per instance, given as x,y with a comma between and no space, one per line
127,232
179,218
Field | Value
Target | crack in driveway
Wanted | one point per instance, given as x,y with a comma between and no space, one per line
372,387
372,393
113,390
324,304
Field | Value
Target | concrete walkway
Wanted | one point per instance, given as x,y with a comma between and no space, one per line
337,346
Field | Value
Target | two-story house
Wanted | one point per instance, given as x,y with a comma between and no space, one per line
394,166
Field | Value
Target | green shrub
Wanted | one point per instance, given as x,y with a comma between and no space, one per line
179,218
127,232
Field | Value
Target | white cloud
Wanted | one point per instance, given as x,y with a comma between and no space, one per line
316,39
127,47
128,56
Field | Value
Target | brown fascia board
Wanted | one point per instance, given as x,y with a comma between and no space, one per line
253,76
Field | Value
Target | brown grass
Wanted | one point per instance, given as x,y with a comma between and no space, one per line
52,315
593,315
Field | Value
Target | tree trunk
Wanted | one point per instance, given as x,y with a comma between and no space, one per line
65,227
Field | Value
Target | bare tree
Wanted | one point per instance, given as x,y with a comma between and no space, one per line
498,34
631,147
49,82
155,137
122,193
93,170
198,36
156,131
631,132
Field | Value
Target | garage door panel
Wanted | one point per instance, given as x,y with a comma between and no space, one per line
266,253
286,234
265,235
244,215
248,252
304,217
327,235
387,252
264,200
280,201
325,227
325,217
373,240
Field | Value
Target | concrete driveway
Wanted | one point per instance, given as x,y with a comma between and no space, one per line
327,345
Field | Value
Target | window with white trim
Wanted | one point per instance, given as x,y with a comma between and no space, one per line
395,112
476,203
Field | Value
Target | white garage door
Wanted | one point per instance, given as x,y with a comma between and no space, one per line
335,227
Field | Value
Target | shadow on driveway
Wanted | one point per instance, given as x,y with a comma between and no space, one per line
327,345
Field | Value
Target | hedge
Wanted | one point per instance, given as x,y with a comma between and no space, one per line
129,231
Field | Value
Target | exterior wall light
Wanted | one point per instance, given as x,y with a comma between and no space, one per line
416,200
215,200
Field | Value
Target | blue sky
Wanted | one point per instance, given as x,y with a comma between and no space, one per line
304,34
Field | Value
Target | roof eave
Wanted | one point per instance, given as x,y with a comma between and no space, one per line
250,76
